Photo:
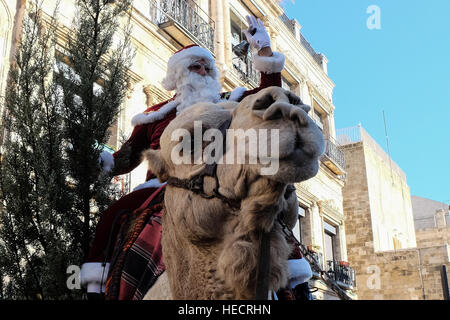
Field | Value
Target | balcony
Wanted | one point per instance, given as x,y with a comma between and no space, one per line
334,157
310,50
288,23
243,67
318,258
342,273
185,21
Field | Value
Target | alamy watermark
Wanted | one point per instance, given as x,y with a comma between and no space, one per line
73,281
374,280
374,20
251,146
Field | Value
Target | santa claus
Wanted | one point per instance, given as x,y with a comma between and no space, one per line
125,257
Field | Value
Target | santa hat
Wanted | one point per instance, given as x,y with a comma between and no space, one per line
182,59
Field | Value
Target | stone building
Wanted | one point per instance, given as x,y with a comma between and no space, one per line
429,213
432,222
160,28
393,260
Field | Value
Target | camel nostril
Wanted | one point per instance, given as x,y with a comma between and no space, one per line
297,115
298,142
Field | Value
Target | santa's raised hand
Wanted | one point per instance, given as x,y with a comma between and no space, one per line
256,34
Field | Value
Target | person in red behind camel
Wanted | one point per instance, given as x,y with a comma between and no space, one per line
125,257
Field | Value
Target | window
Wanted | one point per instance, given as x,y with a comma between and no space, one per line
320,117
286,84
317,117
299,228
236,33
329,241
242,64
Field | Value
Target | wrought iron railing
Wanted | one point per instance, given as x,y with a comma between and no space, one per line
244,68
310,49
288,22
188,15
318,257
342,273
334,152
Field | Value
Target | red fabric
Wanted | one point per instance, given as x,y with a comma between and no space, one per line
136,264
296,253
143,137
187,47
148,249
267,80
106,226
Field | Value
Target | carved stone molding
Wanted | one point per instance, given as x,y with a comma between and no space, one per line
154,94
330,209
148,94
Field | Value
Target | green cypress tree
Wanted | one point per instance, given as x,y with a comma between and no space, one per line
56,122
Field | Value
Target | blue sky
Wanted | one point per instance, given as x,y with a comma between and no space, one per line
403,69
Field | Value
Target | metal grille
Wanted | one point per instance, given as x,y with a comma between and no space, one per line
310,49
288,22
188,15
344,275
333,152
245,70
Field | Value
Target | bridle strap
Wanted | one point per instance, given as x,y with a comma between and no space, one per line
196,183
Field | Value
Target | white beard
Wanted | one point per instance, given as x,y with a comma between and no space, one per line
193,88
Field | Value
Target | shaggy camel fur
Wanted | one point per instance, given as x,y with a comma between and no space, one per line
211,250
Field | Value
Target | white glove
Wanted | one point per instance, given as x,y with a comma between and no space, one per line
106,160
260,39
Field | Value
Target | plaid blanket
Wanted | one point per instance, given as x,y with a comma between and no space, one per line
137,259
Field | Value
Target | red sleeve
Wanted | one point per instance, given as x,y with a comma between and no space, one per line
267,80
129,156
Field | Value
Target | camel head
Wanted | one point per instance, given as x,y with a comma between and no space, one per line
270,133
211,248
289,142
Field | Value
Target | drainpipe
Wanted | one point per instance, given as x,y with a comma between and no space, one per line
445,283
420,273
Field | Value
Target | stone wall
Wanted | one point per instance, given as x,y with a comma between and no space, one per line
390,202
405,274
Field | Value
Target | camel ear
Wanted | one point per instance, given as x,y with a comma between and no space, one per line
157,164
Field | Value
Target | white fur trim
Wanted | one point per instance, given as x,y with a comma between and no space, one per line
182,60
143,118
93,274
106,159
237,93
299,272
272,64
152,183
94,287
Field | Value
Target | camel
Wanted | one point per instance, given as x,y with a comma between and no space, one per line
210,247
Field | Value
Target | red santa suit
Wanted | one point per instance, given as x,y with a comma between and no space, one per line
148,127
